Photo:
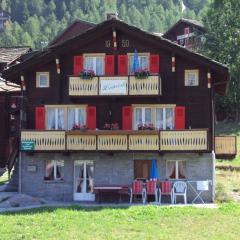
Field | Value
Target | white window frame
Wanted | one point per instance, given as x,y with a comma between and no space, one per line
176,167
94,55
38,82
76,115
153,114
147,54
186,79
65,109
55,178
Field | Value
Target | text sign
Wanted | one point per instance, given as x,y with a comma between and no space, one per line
27,145
113,87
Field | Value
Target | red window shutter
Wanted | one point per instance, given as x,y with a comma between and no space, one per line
91,117
180,117
122,64
40,118
154,64
109,65
77,65
127,118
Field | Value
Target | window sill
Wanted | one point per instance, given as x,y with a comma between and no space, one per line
53,181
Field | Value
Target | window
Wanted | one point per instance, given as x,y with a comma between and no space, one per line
76,118
94,63
176,169
191,77
54,170
42,79
143,60
55,119
65,117
161,117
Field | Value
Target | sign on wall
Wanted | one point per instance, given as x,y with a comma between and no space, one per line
27,145
113,87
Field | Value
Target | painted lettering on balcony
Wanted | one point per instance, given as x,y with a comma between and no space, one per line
113,87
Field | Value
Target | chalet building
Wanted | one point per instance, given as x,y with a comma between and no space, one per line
5,18
9,101
187,33
95,117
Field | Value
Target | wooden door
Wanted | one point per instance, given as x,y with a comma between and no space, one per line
142,169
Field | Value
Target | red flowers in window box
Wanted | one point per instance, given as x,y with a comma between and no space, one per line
141,73
87,74
79,127
146,126
111,126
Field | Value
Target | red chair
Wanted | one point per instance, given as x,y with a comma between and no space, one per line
166,189
152,189
137,189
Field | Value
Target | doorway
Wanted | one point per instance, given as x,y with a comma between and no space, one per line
83,180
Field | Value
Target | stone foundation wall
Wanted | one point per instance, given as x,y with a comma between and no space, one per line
117,168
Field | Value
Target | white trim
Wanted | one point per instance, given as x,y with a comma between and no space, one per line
38,83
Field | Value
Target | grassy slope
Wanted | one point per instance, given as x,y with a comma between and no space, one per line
148,222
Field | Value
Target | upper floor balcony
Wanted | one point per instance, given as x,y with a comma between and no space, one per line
115,86
194,140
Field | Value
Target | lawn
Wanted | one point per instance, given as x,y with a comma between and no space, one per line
142,222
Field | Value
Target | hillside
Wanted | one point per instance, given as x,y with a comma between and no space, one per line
39,21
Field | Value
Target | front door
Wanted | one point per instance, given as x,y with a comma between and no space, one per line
83,181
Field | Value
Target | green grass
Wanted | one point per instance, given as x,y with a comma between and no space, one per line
144,222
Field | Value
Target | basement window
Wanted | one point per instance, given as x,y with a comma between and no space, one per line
54,170
176,169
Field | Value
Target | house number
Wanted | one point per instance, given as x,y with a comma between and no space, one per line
125,43
107,43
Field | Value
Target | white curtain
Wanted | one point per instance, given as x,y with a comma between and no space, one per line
79,177
148,115
143,62
76,116
89,177
159,118
95,64
60,121
169,118
181,169
51,119
138,117
49,174
59,169
171,169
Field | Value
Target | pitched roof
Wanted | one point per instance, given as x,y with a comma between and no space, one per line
85,36
10,54
11,87
190,22
73,29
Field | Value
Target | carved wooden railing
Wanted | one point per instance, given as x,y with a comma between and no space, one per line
114,85
81,142
83,87
226,145
184,140
145,140
148,86
45,140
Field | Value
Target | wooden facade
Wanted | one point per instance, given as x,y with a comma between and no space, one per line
66,88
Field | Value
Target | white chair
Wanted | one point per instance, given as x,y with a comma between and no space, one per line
179,189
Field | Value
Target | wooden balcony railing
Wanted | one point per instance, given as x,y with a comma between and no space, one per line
226,145
115,85
145,140
45,140
184,140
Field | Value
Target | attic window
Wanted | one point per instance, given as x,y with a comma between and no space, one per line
191,77
42,79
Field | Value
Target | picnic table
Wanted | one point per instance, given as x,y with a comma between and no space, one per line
101,190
